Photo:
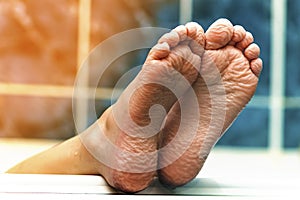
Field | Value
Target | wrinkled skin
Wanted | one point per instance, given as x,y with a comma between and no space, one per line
226,59
230,50
153,85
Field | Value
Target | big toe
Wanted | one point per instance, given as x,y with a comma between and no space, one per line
219,34
196,34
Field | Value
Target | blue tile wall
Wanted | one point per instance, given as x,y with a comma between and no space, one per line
249,130
292,129
293,49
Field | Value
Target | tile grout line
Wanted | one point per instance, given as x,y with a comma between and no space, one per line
56,91
185,11
277,85
103,93
80,105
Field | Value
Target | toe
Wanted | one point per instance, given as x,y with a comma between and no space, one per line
172,39
159,51
196,34
219,34
239,33
256,66
252,51
181,31
248,39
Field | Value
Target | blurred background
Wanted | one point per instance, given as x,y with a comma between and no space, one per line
44,42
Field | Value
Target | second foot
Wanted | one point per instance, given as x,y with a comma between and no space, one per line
229,75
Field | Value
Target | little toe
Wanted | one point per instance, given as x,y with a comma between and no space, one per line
248,39
219,34
252,51
256,66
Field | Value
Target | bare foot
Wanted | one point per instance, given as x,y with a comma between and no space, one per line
122,145
128,160
229,75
